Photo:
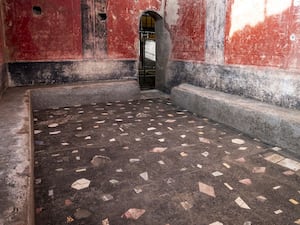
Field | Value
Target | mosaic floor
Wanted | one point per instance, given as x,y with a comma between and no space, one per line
149,162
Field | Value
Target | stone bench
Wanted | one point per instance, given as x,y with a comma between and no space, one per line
271,124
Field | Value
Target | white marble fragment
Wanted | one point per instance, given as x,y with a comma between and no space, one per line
238,141
207,189
37,131
274,158
183,154
158,150
290,164
107,197
217,174
277,212
227,165
216,223
138,190
134,160
55,132
133,214
241,203
53,125
261,198
228,186
145,176
205,154
81,184
186,205
204,140
114,181
161,162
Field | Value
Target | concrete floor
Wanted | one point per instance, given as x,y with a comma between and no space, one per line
149,162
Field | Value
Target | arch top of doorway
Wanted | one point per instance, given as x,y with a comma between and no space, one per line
156,15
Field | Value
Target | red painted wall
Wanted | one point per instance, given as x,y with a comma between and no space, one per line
53,35
267,43
123,26
188,35
1,44
1,37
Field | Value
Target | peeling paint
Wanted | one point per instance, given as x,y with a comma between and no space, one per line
258,33
172,8
188,35
215,31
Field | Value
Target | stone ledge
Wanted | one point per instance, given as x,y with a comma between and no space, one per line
271,124
69,95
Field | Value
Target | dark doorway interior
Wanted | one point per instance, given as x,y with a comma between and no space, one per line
147,65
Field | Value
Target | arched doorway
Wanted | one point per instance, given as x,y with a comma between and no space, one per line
154,51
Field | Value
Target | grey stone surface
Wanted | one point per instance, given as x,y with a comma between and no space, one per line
3,79
66,72
275,86
271,124
15,172
163,49
84,94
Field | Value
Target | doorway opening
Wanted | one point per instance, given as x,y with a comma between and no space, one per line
147,63
155,45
